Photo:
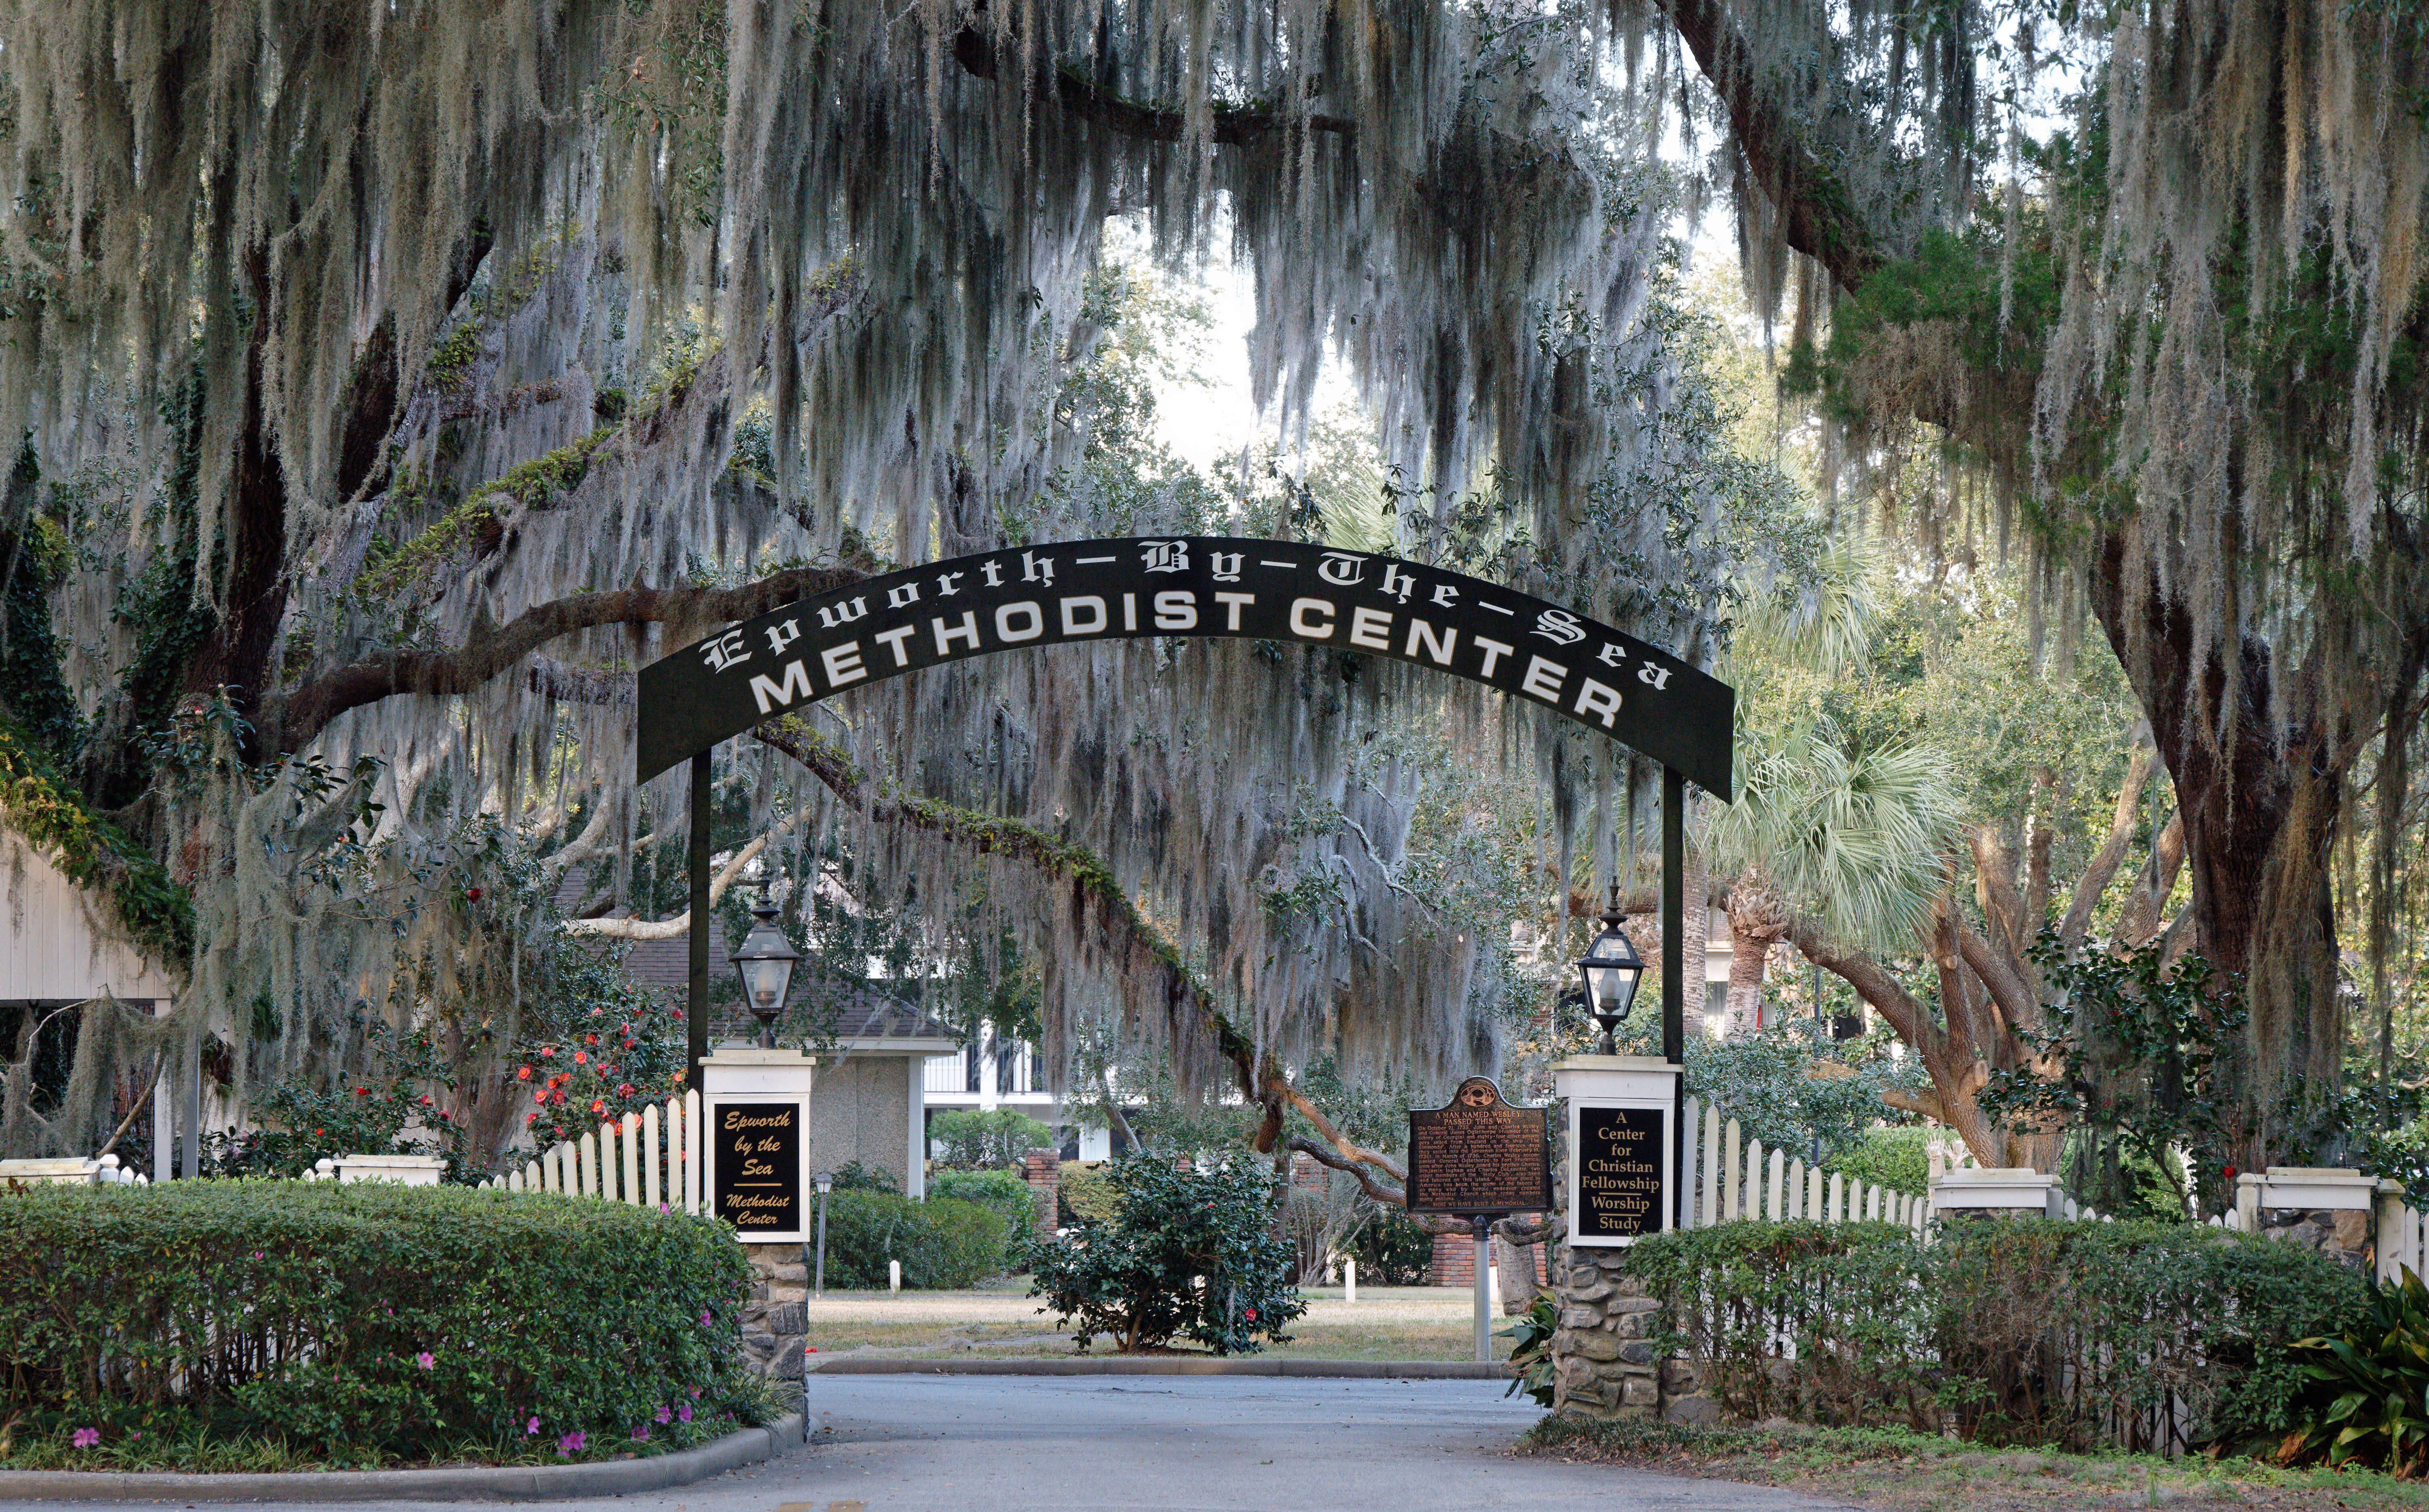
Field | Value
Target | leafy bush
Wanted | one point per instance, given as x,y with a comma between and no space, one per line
2155,1336
1532,1364
1000,1192
1853,1300
1394,1252
943,1243
2365,1396
1190,1254
853,1176
1084,1193
986,1139
2110,1330
1892,1157
375,1323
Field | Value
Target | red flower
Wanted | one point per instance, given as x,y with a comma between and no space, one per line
593,1039
547,1050
472,895
362,1092
597,1106
425,1100
523,1073
628,1045
1251,1315
529,1119
580,1056
2230,1173
539,1096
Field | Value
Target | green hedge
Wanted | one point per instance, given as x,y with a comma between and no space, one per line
368,1321
2147,1336
1000,1192
943,1243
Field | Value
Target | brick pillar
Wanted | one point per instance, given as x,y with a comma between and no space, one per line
1042,1169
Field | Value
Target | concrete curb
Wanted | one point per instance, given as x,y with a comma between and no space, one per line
471,1482
1365,1369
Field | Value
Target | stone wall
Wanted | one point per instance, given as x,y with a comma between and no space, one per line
2345,1235
1607,1369
776,1318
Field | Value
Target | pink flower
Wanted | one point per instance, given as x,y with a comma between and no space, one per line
683,1412
665,1414
570,1443
86,1437
641,1433
425,1359
533,1426
704,1317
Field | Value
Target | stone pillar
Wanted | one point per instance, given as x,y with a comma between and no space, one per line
777,1316
1607,1369
1042,1169
2322,1209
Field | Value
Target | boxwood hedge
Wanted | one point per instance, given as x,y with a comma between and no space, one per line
377,1322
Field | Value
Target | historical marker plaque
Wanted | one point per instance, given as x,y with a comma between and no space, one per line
1622,1188
1478,1154
758,1156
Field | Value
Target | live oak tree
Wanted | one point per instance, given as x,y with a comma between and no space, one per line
384,376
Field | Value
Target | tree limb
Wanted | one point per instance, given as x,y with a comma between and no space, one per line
2101,868
1066,87
307,711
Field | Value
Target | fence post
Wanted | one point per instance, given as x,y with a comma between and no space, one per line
1753,1208
1777,1170
693,1177
1730,1209
1689,1122
1711,1166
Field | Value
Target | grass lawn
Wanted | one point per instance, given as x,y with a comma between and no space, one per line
1913,1473
1000,1321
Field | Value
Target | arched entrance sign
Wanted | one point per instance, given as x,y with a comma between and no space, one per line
1074,591
1197,586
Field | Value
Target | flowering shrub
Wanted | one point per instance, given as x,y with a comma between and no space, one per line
1189,1255
615,1056
366,1323
393,1105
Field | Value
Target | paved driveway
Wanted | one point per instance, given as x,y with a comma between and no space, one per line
928,1443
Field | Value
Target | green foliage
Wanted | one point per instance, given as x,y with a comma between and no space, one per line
853,1176
1852,1301
1084,1192
375,1323
1190,1254
984,1139
396,1085
2070,1326
944,1244
2365,1396
1394,1252
1790,1085
998,1191
155,913
1892,1157
2139,1048
1532,1362
613,1049
2032,1331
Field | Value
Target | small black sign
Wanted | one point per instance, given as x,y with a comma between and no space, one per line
1194,586
757,1151
1622,1189
1478,1154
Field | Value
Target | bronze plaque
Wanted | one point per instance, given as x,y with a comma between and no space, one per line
1478,1154
758,1166
1621,1189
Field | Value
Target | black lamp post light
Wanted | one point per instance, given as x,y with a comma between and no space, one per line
1610,970
766,961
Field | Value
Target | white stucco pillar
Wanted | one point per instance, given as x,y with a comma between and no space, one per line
915,1170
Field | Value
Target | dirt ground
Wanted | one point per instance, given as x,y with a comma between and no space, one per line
1385,1323
1910,1473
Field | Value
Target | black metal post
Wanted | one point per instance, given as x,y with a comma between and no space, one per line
1674,967
696,1007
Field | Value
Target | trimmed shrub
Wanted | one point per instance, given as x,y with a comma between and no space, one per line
2150,1336
976,1139
943,1243
1084,1193
1892,1157
1189,1255
1854,1300
998,1191
371,1321
2079,1331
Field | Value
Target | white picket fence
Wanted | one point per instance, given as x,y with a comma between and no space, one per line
650,1158
1729,1176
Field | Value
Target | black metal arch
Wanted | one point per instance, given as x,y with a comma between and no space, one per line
1197,586
1071,591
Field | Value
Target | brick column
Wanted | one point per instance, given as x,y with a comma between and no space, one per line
1042,1169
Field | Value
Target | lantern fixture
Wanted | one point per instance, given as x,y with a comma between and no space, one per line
766,961
1610,970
